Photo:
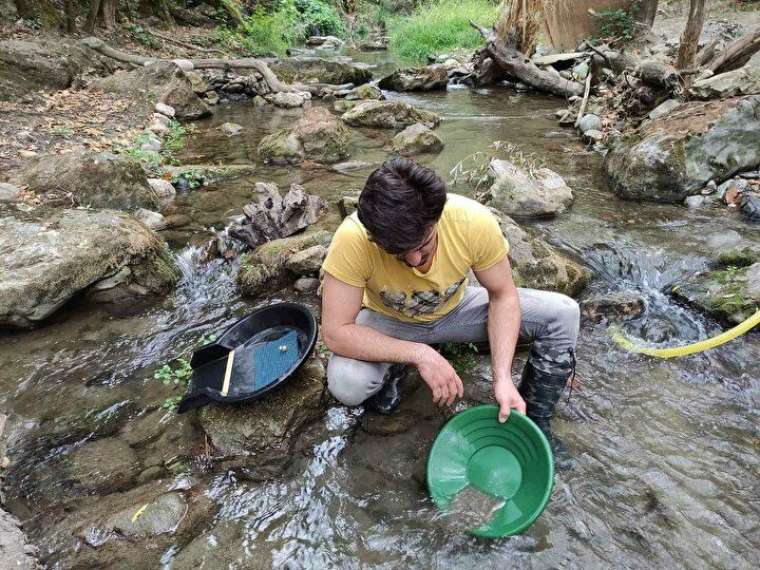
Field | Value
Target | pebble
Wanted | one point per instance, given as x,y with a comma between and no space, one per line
165,109
590,122
231,129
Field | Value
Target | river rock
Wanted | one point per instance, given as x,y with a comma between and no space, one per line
165,110
161,516
616,306
672,157
49,256
231,129
416,139
307,285
539,194
288,99
163,189
730,292
429,78
664,108
265,267
538,265
8,192
263,434
389,115
14,548
590,122
336,71
102,466
152,220
83,178
308,261
694,202
365,92
318,136
750,206
742,81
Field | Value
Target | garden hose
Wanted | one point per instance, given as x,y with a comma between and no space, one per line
676,351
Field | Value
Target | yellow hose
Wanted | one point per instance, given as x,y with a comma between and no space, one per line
687,349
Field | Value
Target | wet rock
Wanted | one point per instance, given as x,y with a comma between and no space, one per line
198,82
57,254
307,262
730,290
165,110
317,136
231,129
719,241
265,267
742,81
212,97
164,190
307,285
429,78
188,177
259,101
96,180
664,108
538,265
153,220
416,139
14,548
365,92
672,157
341,106
288,100
274,217
161,516
336,71
539,194
590,122
389,115
264,433
694,202
327,42
103,466
750,206
616,306
8,192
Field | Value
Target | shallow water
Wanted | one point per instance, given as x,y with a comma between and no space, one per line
667,451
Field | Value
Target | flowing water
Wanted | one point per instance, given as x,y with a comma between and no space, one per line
667,471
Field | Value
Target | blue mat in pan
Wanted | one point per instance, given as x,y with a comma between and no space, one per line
271,361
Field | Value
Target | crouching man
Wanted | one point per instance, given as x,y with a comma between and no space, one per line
396,282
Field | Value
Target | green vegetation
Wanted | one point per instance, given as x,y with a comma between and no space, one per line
616,24
435,27
285,23
175,140
462,356
143,36
177,374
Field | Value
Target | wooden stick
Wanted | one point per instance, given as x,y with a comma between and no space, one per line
228,373
584,102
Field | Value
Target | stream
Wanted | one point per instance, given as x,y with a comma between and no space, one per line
668,452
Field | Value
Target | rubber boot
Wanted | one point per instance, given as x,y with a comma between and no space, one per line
388,399
541,392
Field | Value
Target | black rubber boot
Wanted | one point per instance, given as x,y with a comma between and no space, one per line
541,392
388,399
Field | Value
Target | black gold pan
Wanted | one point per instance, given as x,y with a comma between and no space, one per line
256,354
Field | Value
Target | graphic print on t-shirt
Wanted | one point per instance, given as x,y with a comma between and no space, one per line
420,302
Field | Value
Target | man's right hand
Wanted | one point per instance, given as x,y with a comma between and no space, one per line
440,376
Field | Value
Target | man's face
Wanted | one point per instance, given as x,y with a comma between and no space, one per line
420,255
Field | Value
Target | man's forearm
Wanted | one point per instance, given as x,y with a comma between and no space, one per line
503,330
364,343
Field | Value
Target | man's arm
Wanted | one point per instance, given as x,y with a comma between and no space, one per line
503,331
341,304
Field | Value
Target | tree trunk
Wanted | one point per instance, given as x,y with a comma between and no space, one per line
687,50
109,14
93,17
518,25
68,10
646,12
736,54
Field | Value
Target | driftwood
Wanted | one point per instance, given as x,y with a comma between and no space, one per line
517,65
650,72
182,44
735,55
584,102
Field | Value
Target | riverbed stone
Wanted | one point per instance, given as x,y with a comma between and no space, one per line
365,92
163,189
541,193
8,192
590,122
263,433
416,139
103,466
317,136
48,256
288,100
15,550
308,261
388,115
231,129
667,159
307,285
153,220
83,178
742,81
160,516
165,110
750,207
428,78
615,306
336,71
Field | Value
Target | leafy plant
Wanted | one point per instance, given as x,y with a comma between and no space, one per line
462,356
178,374
141,35
175,140
616,24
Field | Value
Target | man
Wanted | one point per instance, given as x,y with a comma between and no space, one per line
396,281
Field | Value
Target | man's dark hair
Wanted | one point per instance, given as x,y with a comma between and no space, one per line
399,203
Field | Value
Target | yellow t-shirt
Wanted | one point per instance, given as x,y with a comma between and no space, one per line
468,237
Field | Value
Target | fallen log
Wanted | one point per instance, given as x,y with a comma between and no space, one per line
517,65
736,54
650,72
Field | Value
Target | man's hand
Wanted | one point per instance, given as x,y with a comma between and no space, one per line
507,397
440,377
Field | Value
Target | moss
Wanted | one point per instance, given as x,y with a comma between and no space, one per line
738,257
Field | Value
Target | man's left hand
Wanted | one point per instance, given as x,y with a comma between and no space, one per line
507,397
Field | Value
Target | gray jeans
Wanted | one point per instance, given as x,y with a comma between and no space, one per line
549,320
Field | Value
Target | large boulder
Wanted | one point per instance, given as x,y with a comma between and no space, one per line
83,178
263,434
388,115
366,92
742,81
417,139
306,69
668,159
538,265
267,266
429,78
47,257
729,290
14,548
317,136
541,193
